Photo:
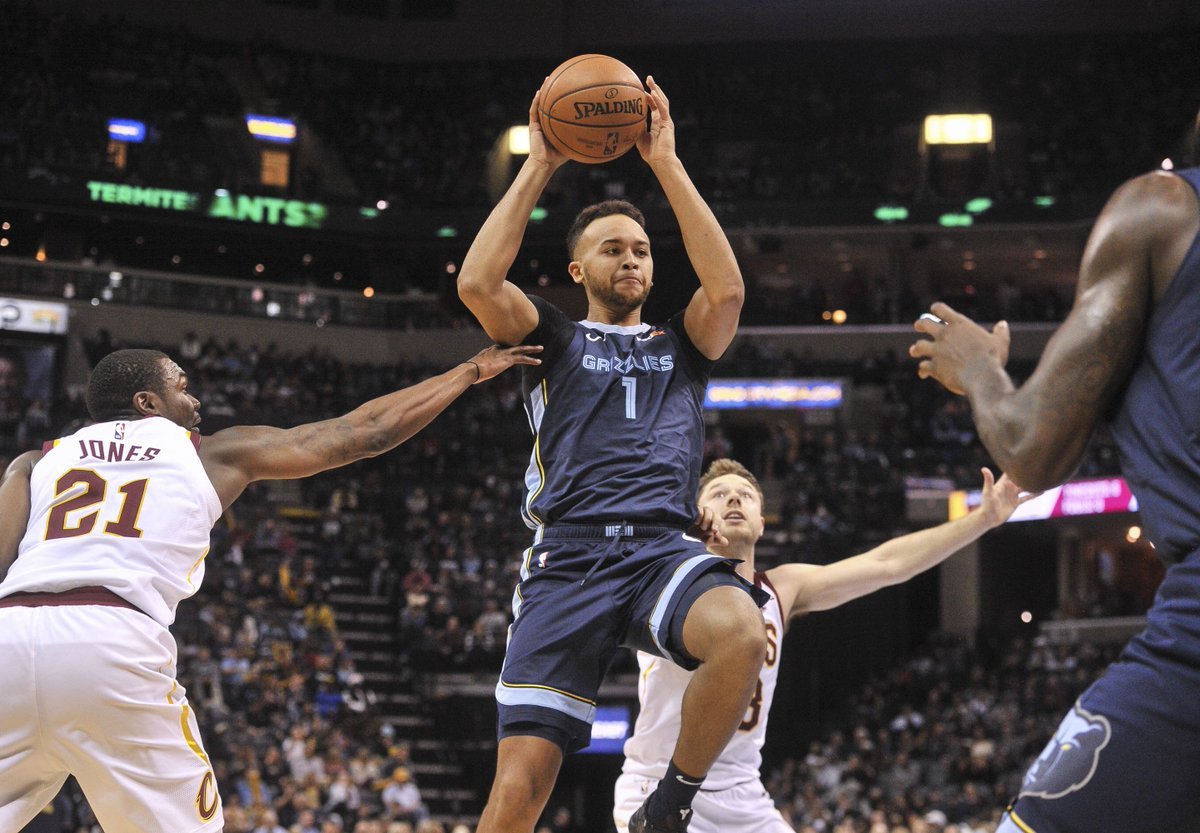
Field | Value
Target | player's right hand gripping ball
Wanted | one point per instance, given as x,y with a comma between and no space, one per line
593,108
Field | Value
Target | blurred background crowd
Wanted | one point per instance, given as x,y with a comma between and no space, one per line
341,654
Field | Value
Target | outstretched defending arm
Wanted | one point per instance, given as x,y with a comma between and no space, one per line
712,315
804,588
236,457
1038,433
506,314
14,506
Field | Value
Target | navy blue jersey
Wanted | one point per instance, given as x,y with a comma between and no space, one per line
1157,427
617,422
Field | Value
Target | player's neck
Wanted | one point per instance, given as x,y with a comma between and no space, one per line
604,315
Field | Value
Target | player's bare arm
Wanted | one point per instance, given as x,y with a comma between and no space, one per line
14,506
236,457
712,315
505,313
1038,433
804,588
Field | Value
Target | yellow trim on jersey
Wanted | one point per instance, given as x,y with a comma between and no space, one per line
549,688
183,723
199,560
1019,822
537,457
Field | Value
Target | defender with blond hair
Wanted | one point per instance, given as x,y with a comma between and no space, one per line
733,799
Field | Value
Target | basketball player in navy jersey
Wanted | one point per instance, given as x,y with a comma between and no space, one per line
610,489
1126,759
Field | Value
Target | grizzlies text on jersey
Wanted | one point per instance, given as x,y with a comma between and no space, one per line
617,420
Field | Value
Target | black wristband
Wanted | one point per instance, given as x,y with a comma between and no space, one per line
478,372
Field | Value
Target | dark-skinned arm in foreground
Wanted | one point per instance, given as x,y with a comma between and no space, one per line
14,506
236,457
1037,433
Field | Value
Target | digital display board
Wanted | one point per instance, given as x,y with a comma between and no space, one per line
1101,496
127,130
609,731
221,204
725,394
271,128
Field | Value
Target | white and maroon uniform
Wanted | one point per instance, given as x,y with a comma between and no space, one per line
733,799
120,516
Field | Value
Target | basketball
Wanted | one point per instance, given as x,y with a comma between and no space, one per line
593,108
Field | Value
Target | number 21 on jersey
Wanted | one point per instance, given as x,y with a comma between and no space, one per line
63,523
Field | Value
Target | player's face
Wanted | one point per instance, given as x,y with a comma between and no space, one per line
613,262
735,502
175,403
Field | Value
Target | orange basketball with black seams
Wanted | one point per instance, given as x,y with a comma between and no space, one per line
593,108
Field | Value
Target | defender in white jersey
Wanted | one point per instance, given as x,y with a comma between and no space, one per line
102,534
733,798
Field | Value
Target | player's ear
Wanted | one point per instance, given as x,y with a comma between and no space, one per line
575,270
145,402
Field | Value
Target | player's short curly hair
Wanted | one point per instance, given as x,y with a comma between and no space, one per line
118,376
724,466
594,212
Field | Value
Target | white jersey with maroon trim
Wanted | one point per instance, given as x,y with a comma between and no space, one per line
125,505
660,690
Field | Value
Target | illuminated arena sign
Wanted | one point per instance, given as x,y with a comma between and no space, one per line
1081,497
242,208
773,394
127,130
609,730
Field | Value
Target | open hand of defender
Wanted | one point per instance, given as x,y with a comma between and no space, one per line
1001,497
658,143
494,360
958,348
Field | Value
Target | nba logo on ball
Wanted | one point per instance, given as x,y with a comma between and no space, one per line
592,108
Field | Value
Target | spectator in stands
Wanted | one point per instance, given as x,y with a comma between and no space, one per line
402,799
13,404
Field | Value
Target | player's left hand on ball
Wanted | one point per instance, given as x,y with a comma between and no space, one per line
494,360
540,149
708,529
658,143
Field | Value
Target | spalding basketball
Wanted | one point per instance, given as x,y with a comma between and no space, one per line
593,108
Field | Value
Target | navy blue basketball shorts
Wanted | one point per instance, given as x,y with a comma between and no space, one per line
1126,759
585,592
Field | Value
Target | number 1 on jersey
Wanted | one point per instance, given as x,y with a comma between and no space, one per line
630,384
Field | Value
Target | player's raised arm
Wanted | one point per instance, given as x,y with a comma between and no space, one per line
1038,433
236,457
506,314
804,588
712,315
14,506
